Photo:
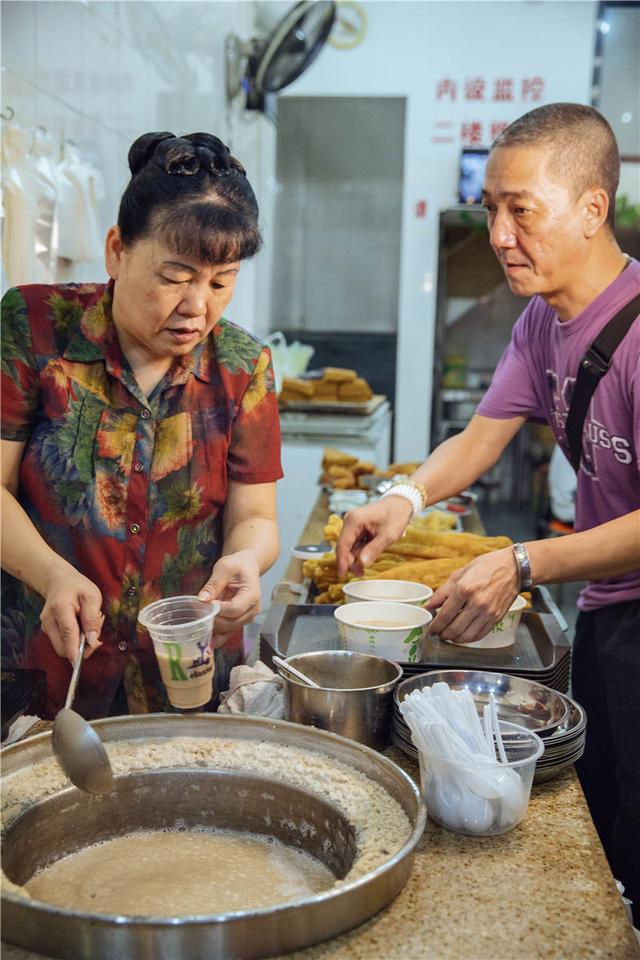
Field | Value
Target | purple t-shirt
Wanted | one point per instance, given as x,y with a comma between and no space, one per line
535,379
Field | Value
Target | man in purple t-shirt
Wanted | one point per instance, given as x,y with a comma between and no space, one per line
549,192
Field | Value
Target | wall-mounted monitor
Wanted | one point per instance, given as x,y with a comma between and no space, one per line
471,174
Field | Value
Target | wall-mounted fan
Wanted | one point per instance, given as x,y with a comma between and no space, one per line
265,66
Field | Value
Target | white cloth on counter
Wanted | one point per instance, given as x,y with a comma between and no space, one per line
255,691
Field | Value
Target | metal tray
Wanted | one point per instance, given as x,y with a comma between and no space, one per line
364,407
541,650
543,602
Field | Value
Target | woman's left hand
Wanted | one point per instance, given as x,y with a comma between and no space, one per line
474,598
235,583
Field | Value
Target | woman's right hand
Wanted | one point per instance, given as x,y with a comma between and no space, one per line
367,531
72,603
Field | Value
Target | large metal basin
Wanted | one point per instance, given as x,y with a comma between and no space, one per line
152,799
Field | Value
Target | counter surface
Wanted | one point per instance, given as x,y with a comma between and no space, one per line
542,891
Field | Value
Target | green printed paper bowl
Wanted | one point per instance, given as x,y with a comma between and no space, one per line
384,628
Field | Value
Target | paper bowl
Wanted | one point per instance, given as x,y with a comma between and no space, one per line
392,630
387,591
504,632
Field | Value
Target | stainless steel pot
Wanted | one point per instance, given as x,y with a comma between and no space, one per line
355,698
151,799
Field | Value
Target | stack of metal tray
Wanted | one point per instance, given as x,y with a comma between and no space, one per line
541,652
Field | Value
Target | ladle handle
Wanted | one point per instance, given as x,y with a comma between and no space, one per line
76,673
295,673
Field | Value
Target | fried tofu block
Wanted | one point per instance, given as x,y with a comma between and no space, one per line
332,456
325,390
345,483
363,466
357,391
297,385
338,375
336,470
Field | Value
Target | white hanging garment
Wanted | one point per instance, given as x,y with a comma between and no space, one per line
30,210
44,155
80,195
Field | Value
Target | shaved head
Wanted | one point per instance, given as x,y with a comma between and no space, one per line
584,153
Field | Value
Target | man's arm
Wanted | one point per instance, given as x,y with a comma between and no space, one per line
474,598
453,466
607,550
459,461
250,547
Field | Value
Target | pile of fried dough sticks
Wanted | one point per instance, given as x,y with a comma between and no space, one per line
423,555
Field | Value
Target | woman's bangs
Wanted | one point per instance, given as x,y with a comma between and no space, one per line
211,233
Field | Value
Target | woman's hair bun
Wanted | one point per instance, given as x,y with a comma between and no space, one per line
142,150
194,194
183,156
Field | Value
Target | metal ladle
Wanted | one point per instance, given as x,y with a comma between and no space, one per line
78,748
294,672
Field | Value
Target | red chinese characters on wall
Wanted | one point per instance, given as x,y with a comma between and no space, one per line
474,88
471,133
504,89
446,89
532,89
496,129
477,89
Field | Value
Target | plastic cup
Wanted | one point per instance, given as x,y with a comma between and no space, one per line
466,797
180,628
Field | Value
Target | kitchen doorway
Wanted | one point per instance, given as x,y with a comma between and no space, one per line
338,222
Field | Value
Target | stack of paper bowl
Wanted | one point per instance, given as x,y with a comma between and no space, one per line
559,720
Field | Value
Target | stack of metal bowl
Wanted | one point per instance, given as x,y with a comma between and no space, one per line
559,720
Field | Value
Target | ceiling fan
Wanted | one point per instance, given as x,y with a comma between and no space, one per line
265,65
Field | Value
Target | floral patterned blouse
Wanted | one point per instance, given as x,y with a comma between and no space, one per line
127,488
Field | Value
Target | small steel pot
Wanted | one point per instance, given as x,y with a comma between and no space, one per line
355,698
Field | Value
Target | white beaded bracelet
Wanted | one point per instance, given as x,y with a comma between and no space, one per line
408,492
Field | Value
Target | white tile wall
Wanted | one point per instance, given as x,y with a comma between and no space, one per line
102,73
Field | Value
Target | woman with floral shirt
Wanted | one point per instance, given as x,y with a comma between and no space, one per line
140,436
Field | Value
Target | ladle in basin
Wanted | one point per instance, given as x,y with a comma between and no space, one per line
78,748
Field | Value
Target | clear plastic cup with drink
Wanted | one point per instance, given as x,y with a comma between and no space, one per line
181,629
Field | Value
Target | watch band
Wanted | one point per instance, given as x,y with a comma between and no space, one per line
523,566
408,491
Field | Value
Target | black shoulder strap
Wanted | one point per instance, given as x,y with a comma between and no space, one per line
593,367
